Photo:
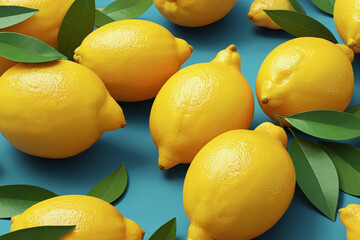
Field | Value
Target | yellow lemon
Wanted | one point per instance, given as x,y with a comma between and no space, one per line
94,218
305,74
194,13
260,18
44,25
347,21
239,185
350,217
197,104
55,109
134,58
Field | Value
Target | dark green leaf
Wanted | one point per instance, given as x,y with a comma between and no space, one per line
78,22
21,48
165,232
316,175
127,9
15,199
325,5
11,15
326,124
355,110
111,187
39,233
296,6
300,25
101,18
346,159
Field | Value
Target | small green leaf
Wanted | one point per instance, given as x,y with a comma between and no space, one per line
355,110
165,232
346,159
21,48
15,199
296,6
299,24
39,233
11,15
127,9
316,175
325,5
326,124
78,22
111,187
101,18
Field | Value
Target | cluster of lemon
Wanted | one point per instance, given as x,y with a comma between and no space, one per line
240,182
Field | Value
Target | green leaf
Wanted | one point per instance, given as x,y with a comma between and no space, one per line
165,232
316,175
296,6
346,159
39,233
15,199
299,24
78,22
101,18
21,48
355,110
127,9
325,5
111,187
326,124
11,15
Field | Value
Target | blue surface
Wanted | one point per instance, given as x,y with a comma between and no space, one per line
153,197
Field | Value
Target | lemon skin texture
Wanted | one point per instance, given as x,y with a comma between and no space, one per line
239,185
260,18
44,25
94,219
350,217
194,13
347,22
134,58
305,74
56,109
197,104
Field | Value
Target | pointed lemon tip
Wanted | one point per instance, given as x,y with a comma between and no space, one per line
274,131
250,16
112,115
349,52
197,233
166,160
265,100
123,124
229,56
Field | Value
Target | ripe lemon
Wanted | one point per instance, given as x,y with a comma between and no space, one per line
260,18
347,21
55,109
239,185
94,218
194,13
350,217
134,58
44,25
305,74
197,104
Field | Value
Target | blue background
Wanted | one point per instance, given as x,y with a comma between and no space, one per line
153,197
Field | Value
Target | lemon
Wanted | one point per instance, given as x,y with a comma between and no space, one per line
94,218
197,104
350,217
260,18
194,13
305,74
134,58
239,185
56,109
44,25
347,21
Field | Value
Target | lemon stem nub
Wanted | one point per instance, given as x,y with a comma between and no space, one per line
265,100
